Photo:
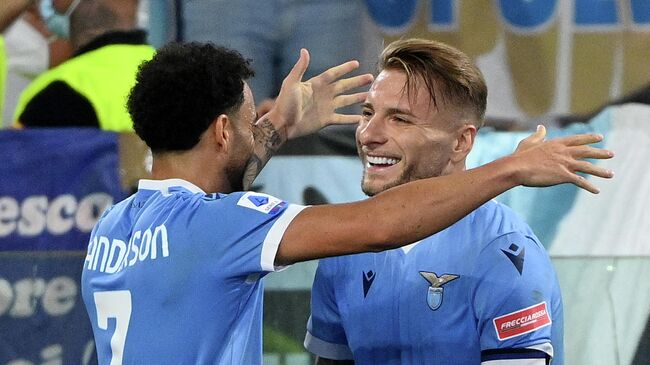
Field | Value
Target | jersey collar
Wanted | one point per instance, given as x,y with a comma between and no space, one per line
410,246
164,185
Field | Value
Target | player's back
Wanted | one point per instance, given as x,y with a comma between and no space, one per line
170,279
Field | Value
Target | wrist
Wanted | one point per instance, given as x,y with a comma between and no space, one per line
277,121
509,171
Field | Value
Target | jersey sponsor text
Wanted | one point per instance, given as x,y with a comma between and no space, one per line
522,321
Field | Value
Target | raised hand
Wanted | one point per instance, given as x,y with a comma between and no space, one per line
556,161
304,107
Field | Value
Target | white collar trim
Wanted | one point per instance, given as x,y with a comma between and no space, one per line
164,185
410,246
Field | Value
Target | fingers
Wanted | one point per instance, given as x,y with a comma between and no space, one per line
581,139
352,82
336,72
345,119
591,169
541,131
536,137
298,70
580,152
346,100
583,183
342,101
532,140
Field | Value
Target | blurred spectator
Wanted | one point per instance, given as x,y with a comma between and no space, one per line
639,96
91,88
31,48
9,12
271,33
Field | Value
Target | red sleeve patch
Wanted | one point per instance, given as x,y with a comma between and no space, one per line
522,321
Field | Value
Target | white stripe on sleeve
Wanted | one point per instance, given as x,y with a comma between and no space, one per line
274,236
325,349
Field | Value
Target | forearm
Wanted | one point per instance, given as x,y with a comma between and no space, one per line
10,10
396,217
269,135
446,200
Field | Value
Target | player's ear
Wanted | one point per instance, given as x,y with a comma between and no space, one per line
221,132
465,137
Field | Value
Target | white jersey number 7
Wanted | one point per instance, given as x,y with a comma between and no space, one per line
114,304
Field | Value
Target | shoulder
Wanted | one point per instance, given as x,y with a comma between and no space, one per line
243,210
508,243
52,81
328,267
346,267
42,80
144,50
115,211
255,202
55,103
494,221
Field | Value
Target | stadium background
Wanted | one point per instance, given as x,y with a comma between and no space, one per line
543,60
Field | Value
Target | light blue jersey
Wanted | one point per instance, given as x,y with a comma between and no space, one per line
482,291
173,275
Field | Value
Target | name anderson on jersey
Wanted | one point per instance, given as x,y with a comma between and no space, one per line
111,255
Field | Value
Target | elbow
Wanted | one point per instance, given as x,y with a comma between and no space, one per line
385,238
395,233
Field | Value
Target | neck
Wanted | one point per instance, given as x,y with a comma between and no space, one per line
452,168
203,173
94,18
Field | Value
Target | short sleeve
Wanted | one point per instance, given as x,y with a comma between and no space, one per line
248,230
325,333
515,298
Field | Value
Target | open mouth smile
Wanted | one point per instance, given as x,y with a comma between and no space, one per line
380,161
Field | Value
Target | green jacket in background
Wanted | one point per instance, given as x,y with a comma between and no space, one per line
104,76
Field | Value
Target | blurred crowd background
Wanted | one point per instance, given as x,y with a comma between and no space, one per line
68,152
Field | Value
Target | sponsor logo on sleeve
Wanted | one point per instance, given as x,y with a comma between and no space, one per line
522,321
261,202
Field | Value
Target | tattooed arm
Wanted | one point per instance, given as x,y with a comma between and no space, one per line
304,107
268,141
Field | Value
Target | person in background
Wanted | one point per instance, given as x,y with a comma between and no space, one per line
183,258
90,89
481,291
270,32
31,47
9,12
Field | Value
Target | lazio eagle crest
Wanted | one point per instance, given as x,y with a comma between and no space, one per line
434,295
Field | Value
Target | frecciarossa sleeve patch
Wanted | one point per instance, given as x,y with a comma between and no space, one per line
522,321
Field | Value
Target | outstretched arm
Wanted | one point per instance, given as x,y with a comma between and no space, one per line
418,209
303,108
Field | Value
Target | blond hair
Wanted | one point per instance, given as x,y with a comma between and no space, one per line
459,81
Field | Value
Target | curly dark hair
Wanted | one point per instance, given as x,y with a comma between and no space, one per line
182,89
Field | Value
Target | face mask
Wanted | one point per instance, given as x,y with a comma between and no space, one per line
58,24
